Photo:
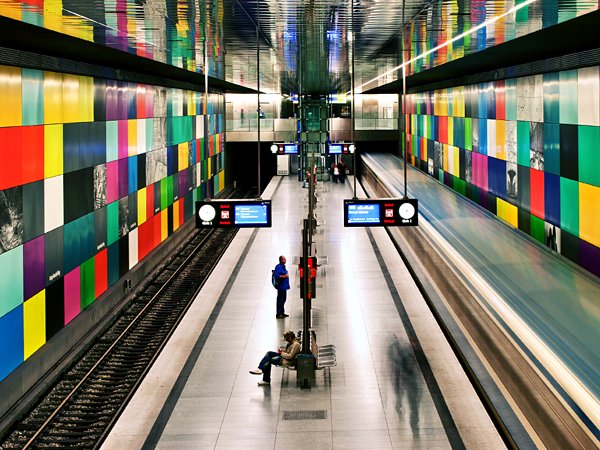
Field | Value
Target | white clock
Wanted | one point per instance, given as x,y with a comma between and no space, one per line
207,213
406,211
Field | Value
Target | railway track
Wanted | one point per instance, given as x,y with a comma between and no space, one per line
81,407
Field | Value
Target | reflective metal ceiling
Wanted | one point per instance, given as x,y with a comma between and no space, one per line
304,45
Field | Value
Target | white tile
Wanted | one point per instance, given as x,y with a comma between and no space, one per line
53,203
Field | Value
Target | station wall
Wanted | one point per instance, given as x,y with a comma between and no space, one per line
94,174
527,149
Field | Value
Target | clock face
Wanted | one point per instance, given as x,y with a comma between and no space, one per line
406,210
207,213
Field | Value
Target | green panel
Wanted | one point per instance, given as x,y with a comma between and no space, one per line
112,222
460,186
441,175
149,135
537,228
112,140
569,206
522,15
33,97
164,201
551,98
552,148
523,143
202,151
568,96
169,183
11,279
468,133
87,283
33,18
511,99
589,155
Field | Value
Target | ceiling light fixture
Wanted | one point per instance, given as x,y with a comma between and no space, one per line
448,42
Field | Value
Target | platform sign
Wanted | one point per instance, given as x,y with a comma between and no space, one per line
381,212
233,214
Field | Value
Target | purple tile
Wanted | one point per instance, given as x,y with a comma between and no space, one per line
123,177
589,257
33,265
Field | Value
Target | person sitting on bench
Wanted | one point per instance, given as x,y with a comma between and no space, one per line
281,357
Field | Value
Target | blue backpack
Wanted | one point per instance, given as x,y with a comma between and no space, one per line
274,279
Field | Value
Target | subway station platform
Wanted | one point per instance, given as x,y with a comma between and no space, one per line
396,383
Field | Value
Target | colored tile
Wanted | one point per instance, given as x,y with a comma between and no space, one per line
552,148
11,336
589,257
588,107
54,255
11,279
112,141
11,162
551,98
100,273
33,210
589,213
87,283
589,154
569,206
568,96
33,267
34,324
70,98
10,92
32,97
523,143
552,198
72,288
569,154
538,230
53,98
536,180
53,150
55,308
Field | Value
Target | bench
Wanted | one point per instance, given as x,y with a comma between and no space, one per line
324,354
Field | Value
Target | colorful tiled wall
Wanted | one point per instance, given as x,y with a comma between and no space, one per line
527,149
172,32
94,174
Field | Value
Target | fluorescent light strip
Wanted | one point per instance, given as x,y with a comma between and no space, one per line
454,39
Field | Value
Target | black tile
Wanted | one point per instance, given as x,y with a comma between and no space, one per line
569,154
55,307
33,210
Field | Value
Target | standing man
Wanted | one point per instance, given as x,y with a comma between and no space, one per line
281,274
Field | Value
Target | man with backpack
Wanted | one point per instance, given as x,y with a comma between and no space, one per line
281,282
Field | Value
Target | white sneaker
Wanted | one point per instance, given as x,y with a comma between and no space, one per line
256,372
264,383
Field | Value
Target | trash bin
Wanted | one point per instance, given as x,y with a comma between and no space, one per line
305,367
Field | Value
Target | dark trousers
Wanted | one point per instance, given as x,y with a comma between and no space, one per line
281,297
265,364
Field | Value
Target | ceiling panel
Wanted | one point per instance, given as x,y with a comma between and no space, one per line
304,45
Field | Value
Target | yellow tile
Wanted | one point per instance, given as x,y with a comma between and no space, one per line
500,208
589,213
501,139
183,156
53,15
164,225
445,152
132,137
34,323
456,161
86,99
53,98
12,10
53,150
70,95
175,215
512,215
450,131
141,202
10,93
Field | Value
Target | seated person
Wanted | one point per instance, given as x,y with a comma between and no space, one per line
281,357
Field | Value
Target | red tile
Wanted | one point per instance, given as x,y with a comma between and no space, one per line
536,190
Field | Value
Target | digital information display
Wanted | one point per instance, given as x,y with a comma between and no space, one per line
290,149
381,212
335,149
233,214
